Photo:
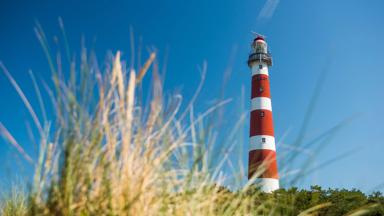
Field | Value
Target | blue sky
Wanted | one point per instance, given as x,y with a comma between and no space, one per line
337,41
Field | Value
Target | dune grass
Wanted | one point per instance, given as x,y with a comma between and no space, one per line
106,155
14,203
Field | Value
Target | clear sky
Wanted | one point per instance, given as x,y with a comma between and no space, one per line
339,42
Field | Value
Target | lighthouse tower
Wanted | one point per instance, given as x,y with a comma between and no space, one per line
262,152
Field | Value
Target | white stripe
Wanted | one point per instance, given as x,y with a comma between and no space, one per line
262,142
256,70
267,185
261,103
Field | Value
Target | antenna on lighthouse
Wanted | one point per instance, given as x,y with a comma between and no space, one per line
258,34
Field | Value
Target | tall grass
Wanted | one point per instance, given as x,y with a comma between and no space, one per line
14,203
106,155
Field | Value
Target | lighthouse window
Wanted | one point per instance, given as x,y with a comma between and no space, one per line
263,140
260,66
261,89
262,114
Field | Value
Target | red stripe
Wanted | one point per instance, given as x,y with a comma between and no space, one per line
263,163
260,86
261,123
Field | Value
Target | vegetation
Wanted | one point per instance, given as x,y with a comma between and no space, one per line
108,153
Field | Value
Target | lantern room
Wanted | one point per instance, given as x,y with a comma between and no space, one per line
259,45
259,52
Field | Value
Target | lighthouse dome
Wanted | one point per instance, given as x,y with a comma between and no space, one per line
259,38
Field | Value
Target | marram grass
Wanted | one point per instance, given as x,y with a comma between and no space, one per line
108,153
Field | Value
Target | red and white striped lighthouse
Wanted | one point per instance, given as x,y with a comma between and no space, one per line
262,152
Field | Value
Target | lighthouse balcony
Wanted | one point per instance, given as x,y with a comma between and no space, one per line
260,57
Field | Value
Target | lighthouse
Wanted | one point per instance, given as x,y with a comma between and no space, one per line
262,163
